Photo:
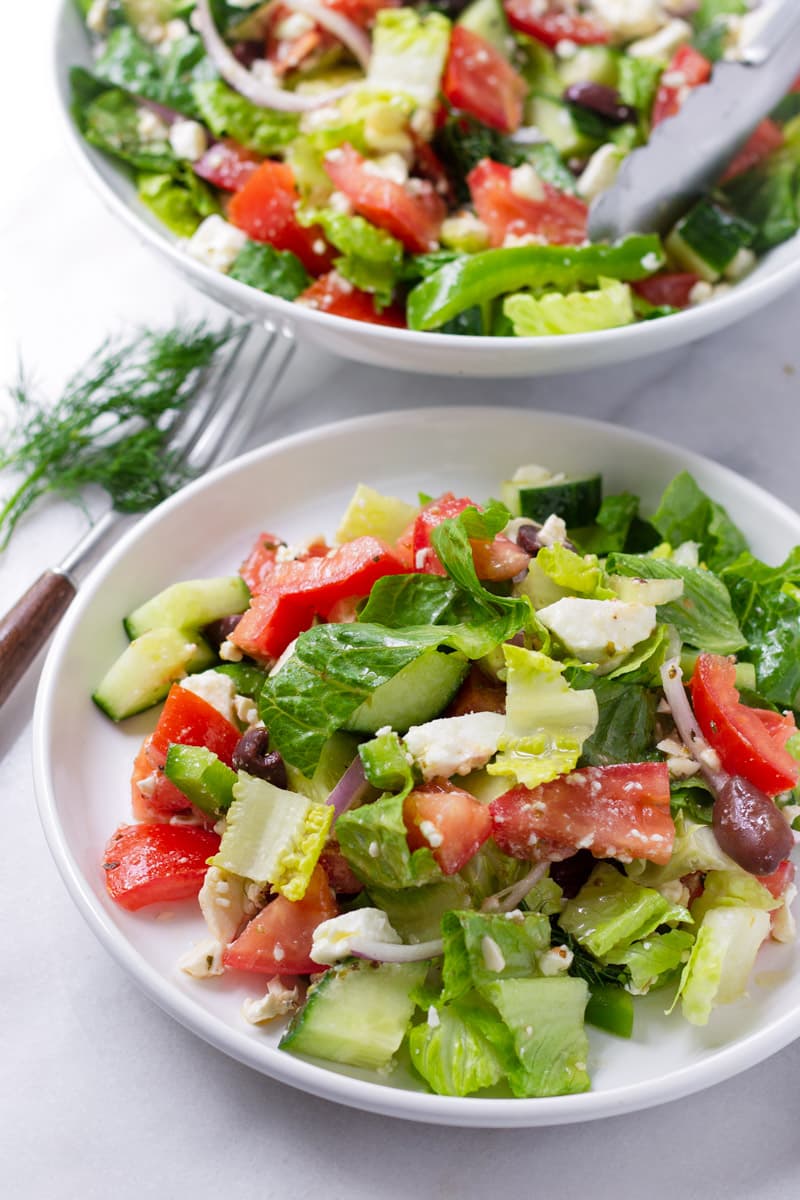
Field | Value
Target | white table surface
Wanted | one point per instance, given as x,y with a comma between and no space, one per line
101,1094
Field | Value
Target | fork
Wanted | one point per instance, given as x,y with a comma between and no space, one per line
207,432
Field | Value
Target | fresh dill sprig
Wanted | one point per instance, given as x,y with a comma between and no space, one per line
584,965
111,426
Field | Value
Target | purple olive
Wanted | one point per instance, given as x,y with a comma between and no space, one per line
600,99
528,539
219,631
253,755
750,828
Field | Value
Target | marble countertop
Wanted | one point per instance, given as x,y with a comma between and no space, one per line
102,1094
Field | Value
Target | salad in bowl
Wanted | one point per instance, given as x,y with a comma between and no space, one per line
430,167
471,776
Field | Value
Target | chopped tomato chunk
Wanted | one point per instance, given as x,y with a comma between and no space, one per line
619,811
414,217
671,289
688,69
190,720
278,940
152,864
749,741
265,209
765,138
300,590
227,165
479,80
159,799
779,880
449,821
333,294
554,216
549,24
260,562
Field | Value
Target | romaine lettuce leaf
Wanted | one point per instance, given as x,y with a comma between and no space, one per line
575,574
227,114
767,603
374,840
686,514
128,61
728,889
545,1017
626,721
278,272
611,911
481,948
370,257
409,51
180,200
722,958
551,313
652,962
109,119
452,1054
547,722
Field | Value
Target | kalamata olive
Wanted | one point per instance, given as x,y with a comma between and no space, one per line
603,100
571,873
750,828
219,631
528,539
253,755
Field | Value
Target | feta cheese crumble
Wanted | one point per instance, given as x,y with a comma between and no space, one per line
599,631
216,689
333,939
277,1001
455,745
216,243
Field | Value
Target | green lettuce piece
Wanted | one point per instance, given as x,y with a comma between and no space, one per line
695,849
637,85
626,723
693,799
612,525
482,948
767,603
181,201
370,257
611,911
227,114
306,154
727,889
452,1054
722,958
547,722
278,272
374,840
416,912
409,51
552,313
712,33
490,871
545,1018
703,615
574,574
109,119
653,961
768,196
398,601
128,61
686,514
273,836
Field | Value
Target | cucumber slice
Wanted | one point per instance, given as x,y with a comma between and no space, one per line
203,778
573,132
416,694
190,605
707,240
576,501
357,1014
370,513
145,671
487,18
591,64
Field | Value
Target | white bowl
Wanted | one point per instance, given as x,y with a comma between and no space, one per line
443,354
299,486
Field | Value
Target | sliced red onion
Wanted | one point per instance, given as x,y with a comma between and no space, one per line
686,723
509,898
518,639
243,79
394,952
352,789
343,29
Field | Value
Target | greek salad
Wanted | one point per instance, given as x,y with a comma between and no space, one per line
430,167
472,776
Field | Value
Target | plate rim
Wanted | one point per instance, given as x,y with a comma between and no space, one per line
719,1064
699,321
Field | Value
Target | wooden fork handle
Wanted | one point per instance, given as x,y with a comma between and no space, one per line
26,627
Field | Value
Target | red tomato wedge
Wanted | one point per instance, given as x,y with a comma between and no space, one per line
190,720
449,821
278,940
556,218
615,812
779,880
423,555
688,69
765,138
299,591
152,864
333,294
550,25
265,209
479,80
227,165
161,799
260,562
748,741
671,289
413,216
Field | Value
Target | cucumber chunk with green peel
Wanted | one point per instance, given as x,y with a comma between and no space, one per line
370,513
574,132
203,778
145,671
707,240
357,1014
190,604
590,64
414,695
576,501
487,18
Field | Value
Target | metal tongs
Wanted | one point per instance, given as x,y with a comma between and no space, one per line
687,153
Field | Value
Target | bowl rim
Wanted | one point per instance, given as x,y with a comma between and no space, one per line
695,322
717,1065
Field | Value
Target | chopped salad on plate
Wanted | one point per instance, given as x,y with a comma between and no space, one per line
471,777
430,167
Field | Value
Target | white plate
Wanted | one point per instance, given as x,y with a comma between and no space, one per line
402,349
299,486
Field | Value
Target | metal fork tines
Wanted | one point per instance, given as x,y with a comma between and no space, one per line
230,400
